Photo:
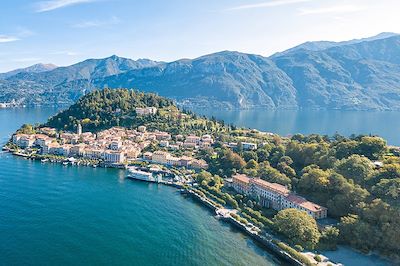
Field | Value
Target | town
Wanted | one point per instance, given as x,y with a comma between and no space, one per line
115,146
119,146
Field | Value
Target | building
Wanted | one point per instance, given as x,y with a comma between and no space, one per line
115,145
162,136
160,157
48,131
248,146
142,129
241,183
190,145
300,203
52,148
147,156
185,161
173,161
199,164
275,196
270,194
77,150
114,156
146,111
164,143
42,140
26,141
192,139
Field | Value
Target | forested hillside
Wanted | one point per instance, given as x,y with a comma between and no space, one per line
354,75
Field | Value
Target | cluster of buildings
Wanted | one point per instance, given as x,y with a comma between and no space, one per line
275,196
189,142
165,158
114,145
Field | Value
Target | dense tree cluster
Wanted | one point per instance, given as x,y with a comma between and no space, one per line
339,173
299,228
102,109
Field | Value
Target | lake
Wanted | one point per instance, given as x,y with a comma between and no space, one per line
58,215
286,122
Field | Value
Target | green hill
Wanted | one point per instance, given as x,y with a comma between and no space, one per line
102,109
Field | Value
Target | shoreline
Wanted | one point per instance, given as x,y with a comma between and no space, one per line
271,248
262,242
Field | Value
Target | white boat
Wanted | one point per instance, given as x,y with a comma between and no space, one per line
141,175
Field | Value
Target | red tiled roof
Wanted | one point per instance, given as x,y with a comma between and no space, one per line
241,178
271,186
311,206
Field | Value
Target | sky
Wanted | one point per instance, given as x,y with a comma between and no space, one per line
64,32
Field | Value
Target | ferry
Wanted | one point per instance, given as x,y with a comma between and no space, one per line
133,173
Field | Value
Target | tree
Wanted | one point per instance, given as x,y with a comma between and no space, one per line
230,162
375,226
268,173
332,190
251,168
329,238
372,147
250,155
263,154
298,227
356,167
345,148
387,189
26,129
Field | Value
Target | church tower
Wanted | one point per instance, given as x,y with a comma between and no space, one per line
79,129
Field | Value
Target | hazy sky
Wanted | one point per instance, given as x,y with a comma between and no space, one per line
67,31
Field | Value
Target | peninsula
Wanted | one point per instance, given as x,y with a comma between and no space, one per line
299,192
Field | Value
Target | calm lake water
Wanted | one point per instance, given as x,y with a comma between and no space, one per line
285,122
56,215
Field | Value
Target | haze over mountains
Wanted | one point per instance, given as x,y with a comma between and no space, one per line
355,75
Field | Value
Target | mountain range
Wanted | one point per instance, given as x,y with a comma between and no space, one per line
354,75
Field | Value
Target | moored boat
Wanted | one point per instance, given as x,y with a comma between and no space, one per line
133,173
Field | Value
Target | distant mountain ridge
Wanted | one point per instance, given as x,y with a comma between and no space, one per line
322,45
37,68
354,75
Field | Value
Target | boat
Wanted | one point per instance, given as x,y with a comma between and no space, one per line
44,160
133,173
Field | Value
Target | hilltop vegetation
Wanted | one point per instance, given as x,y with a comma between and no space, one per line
102,109
356,178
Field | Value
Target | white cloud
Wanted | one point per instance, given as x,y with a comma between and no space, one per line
5,38
269,4
332,10
97,23
55,4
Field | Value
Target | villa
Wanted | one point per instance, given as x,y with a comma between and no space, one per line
275,196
